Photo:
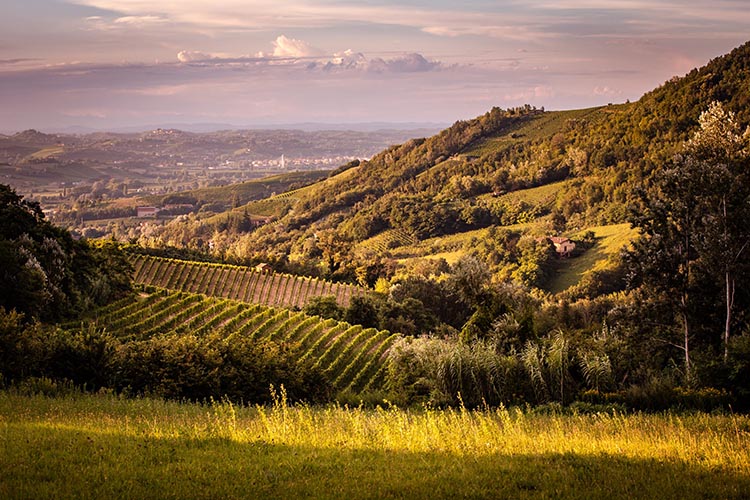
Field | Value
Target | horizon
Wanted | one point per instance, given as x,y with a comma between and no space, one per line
109,65
209,127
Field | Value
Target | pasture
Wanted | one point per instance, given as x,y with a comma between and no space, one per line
103,446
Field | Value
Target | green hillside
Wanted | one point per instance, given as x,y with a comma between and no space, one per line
521,169
242,193
596,256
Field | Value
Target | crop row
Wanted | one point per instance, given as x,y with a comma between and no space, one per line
351,357
239,283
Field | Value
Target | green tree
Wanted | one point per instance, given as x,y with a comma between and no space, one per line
695,222
717,157
325,307
44,272
661,261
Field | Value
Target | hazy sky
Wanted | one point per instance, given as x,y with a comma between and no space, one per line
114,63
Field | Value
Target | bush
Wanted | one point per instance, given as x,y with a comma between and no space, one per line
659,395
444,372
174,366
199,368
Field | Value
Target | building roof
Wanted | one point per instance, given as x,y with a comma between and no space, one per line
559,239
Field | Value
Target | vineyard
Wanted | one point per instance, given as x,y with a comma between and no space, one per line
352,357
239,283
389,239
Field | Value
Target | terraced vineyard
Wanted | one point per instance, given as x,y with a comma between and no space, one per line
238,283
353,358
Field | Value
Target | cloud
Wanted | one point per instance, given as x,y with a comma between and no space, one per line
139,20
291,53
159,91
124,23
607,91
409,63
348,59
533,93
17,60
188,56
291,47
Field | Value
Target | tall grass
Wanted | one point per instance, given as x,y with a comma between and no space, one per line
81,446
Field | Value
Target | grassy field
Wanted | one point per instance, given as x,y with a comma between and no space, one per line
610,240
105,447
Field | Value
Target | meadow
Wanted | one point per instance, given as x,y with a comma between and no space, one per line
103,446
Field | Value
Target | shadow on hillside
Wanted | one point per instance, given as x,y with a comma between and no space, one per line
43,462
568,272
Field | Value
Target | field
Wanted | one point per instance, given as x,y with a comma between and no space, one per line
352,357
238,282
610,240
101,446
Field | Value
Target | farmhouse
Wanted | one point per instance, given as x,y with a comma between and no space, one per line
263,268
563,245
146,211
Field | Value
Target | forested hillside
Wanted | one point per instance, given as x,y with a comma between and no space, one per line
463,179
460,224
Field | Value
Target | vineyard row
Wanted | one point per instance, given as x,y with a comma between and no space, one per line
353,358
239,283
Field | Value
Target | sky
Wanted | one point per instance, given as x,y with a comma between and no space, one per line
109,64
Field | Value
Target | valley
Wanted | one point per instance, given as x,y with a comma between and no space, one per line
528,303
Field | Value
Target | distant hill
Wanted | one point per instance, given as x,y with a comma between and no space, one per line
170,158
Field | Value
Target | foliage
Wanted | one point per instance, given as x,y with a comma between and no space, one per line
325,307
44,272
695,226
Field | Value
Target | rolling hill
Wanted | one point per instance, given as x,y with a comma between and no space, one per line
532,172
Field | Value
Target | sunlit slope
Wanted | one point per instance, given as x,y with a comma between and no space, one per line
238,282
352,357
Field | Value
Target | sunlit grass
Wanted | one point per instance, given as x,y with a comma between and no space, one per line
540,195
610,241
102,446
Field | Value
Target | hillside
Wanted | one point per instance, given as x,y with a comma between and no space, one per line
238,282
526,171
523,257
351,357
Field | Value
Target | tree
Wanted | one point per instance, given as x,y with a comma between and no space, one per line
695,221
44,272
661,260
325,307
718,157
469,279
362,311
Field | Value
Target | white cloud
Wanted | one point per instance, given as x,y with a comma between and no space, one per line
187,56
139,20
348,59
293,53
409,63
607,91
158,91
533,93
291,47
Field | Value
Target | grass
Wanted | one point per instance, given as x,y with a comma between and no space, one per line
101,446
537,127
540,195
46,152
610,240
452,247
